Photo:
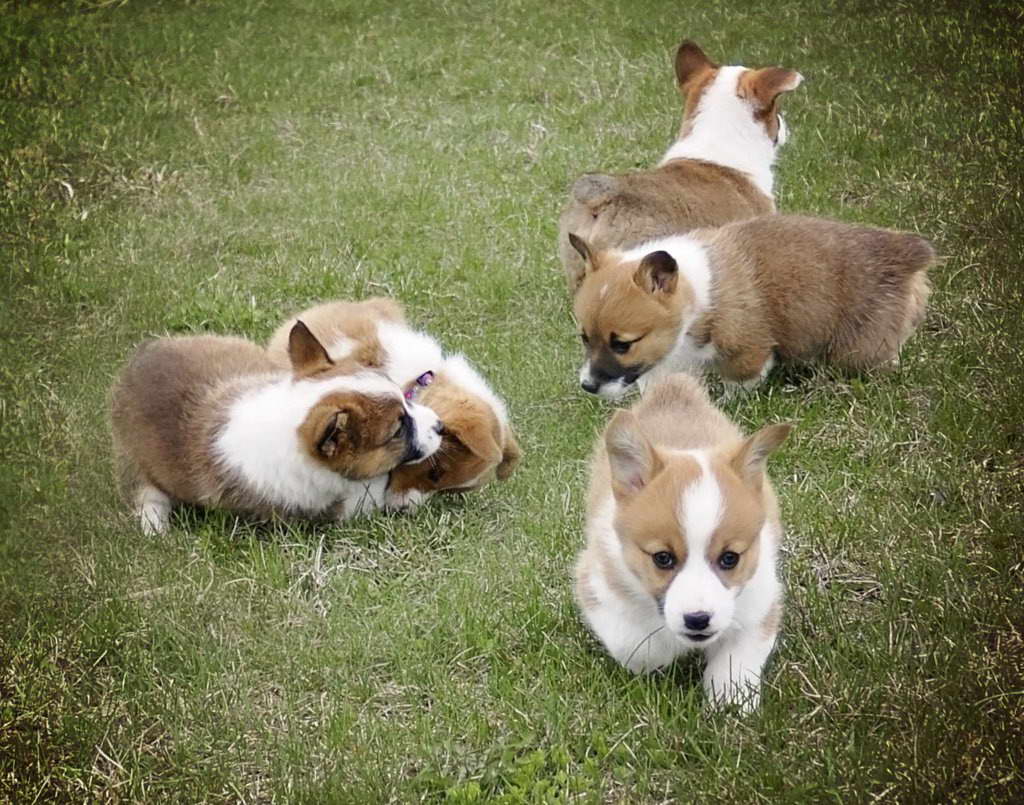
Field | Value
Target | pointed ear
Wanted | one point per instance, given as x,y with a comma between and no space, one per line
583,248
631,457
332,434
690,62
306,353
594,189
750,458
658,272
762,87
510,455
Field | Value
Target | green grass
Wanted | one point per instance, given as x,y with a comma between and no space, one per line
201,166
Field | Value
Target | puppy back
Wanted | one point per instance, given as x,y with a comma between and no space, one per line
624,210
163,403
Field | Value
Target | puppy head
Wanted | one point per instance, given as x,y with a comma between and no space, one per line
724,98
475,444
361,426
629,313
690,523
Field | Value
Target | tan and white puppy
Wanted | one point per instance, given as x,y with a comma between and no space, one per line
477,441
682,531
737,297
718,170
211,421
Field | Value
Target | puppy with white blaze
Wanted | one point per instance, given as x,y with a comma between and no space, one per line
682,532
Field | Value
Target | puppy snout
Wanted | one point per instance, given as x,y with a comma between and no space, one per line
590,385
697,621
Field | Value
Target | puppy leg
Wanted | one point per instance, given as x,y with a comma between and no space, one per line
733,672
153,508
746,368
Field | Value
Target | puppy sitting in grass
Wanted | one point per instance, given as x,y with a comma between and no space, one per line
682,530
738,297
477,441
719,170
211,421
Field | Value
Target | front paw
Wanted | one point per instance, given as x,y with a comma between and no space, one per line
405,502
743,691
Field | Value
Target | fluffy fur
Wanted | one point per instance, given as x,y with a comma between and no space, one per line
477,441
211,421
682,532
718,170
738,297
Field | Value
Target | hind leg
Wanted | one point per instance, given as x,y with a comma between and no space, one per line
153,508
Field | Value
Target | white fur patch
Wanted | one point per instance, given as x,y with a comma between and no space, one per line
725,132
154,509
409,353
261,440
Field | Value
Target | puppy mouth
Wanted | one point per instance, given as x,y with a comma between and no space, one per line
698,637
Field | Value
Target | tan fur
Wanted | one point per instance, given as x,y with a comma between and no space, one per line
172,400
616,302
332,321
616,211
793,287
363,427
772,621
813,289
676,414
474,445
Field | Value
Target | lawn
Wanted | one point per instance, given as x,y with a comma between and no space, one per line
178,167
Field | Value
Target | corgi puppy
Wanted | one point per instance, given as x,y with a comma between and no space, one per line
682,531
210,420
738,297
718,170
477,440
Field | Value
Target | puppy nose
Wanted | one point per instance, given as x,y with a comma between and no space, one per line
590,385
697,621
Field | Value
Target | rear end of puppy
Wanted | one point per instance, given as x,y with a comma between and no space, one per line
682,532
209,420
737,297
718,170
478,443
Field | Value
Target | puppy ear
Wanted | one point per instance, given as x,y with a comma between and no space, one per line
510,455
690,62
750,458
332,434
658,272
583,248
762,87
305,352
594,189
631,457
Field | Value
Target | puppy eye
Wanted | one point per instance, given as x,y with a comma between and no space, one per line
400,429
664,560
584,339
435,474
728,560
620,347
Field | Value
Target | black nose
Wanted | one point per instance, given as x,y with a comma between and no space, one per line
697,621
590,386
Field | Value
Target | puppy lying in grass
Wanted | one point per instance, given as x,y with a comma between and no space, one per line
718,170
682,530
211,421
477,441
738,297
